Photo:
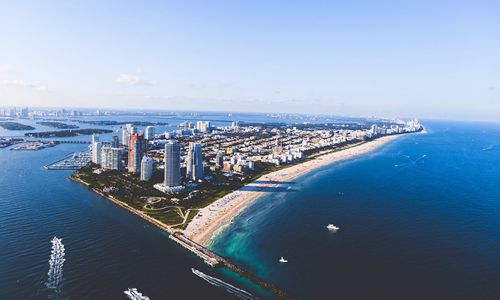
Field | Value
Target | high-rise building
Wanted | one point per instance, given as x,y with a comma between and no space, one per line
194,162
147,167
96,151
172,164
111,158
149,133
115,143
95,138
203,126
24,112
12,112
136,149
131,129
219,159
125,136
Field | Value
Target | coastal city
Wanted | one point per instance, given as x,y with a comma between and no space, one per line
190,181
249,150
175,175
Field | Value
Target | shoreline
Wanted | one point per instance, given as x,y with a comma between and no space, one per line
124,205
214,218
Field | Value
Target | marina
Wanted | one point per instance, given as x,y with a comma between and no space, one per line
73,161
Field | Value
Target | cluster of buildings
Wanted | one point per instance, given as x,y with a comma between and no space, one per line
131,153
186,154
15,113
26,113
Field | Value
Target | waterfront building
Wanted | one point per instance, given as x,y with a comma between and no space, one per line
125,136
194,162
172,164
12,112
24,112
149,133
111,158
374,129
136,149
115,143
96,151
203,126
147,167
130,128
95,138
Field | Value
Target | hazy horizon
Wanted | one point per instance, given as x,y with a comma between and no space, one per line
431,59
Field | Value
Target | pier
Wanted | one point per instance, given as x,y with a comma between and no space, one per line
215,260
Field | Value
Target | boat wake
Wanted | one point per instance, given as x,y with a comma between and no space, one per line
56,261
134,294
492,147
226,286
411,161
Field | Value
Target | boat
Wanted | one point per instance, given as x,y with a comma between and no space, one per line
282,260
332,227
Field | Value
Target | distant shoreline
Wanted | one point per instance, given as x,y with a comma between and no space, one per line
212,219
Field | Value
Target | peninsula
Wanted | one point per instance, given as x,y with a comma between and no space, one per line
193,181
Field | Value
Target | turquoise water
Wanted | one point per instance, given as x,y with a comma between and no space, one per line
419,218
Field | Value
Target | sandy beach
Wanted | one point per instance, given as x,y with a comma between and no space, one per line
213,218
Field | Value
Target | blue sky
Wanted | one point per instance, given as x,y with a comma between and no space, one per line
434,59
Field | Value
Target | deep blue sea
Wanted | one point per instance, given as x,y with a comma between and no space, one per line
419,218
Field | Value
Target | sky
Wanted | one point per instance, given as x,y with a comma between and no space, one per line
427,59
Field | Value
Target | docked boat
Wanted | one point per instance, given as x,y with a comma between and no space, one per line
282,260
332,227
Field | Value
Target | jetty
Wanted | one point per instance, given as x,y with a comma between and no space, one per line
215,260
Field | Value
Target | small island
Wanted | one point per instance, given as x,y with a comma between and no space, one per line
115,123
58,125
66,133
15,126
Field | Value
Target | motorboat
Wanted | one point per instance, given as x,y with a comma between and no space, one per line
332,227
282,260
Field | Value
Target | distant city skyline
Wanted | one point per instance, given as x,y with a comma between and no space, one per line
428,59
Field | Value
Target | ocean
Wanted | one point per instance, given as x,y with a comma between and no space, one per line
419,218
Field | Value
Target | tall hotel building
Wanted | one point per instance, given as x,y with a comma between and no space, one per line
194,162
111,158
136,150
125,137
172,164
149,133
96,150
147,167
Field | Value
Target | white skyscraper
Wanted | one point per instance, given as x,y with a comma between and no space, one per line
147,167
96,152
149,133
125,136
194,162
203,126
111,158
172,164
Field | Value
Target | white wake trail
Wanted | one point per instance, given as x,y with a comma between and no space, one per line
56,262
228,287
134,294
